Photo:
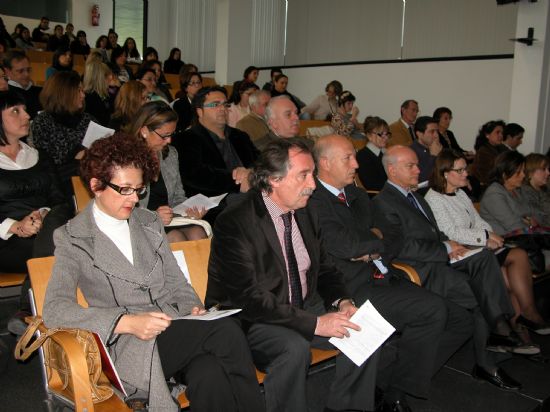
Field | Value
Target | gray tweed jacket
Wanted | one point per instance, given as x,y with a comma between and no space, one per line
86,258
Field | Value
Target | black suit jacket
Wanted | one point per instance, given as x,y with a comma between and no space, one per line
346,232
371,172
409,236
202,167
247,268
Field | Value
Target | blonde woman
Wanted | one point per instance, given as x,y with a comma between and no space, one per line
101,87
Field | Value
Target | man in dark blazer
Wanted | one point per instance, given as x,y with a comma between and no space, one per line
475,283
431,328
267,258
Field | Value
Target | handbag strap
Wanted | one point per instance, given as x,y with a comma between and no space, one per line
23,350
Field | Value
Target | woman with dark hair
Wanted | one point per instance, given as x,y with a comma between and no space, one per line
131,50
443,117
156,123
239,108
173,64
118,256
457,217
150,53
147,77
371,171
58,131
534,190
119,67
101,88
80,45
488,146
69,33
112,44
325,105
191,83
62,61
131,96
101,46
512,136
344,121
31,205
57,39
23,41
280,83
161,88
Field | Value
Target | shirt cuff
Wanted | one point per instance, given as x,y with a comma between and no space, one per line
5,227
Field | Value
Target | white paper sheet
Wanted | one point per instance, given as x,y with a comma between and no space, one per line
180,258
94,132
199,201
210,315
375,330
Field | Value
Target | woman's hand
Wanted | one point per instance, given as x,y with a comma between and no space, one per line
145,326
166,214
195,212
492,244
499,240
29,226
197,311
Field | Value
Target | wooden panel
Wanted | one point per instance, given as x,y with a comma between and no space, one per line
36,56
81,194
11,279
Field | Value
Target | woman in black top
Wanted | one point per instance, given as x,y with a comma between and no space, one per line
173,64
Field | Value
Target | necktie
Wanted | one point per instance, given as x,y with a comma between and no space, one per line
342,198
411,131
415,204
293,274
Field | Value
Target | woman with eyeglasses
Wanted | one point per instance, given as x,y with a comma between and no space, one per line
147,77
161,88
118,255
457,217
155,123
190,83
371,171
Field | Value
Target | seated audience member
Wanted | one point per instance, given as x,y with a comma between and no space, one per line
23,40
3,79
443,116
325,105
402,130
509,214
120,259
101,46
112,38
131,50
353,241
412,236
534,190
275,71
62,61
101,87
214,157
371,171
147,77
31,205
161,84
344,121
18,69
488,145
5,36
172,65
277,271
40,33
57,39
280,88
131,96
250,75
426,145
80,45
58,131
254,124
150,53
118,65
512,136
156,123
457,217
69,33
191,83
283,121
183,74
240,107
16,31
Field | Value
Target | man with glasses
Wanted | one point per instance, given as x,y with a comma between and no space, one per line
18,69
426,146
254,123
214,157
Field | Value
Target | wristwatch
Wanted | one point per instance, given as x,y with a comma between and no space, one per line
336,303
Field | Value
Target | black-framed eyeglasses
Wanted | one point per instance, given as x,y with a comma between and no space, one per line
215,105
383,134
460,170
127,190
166,136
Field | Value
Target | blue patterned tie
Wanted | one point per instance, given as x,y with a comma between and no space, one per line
293,274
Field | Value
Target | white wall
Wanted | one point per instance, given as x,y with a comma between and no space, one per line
476,91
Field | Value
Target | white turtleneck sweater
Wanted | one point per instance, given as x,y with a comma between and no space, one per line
116,230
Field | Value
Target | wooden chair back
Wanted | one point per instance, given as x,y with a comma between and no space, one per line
81,195
38,73
174,82
209,82
37,56
8,279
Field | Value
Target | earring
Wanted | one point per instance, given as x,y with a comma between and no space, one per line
446,175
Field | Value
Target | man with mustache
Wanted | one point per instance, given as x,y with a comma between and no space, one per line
267,258
283,121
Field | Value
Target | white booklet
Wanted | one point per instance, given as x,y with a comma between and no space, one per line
210,315
375,330
200,201
94,132
471,252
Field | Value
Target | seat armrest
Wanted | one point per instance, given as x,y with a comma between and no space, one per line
409,270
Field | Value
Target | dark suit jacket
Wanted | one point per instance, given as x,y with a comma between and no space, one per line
247,268
371,172
185,112
409,236
346,232
202,167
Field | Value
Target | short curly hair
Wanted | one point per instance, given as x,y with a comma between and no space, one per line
117,151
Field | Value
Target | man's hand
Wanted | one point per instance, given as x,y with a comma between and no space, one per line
435,148
377,232
457,249
347,308
334,324
366,258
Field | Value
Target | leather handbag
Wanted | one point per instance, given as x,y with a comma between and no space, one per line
55,357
